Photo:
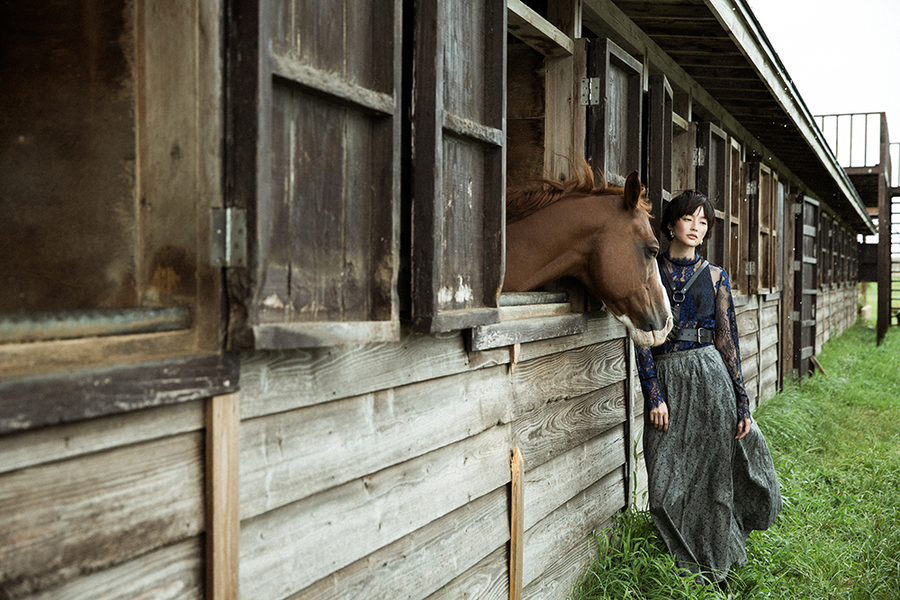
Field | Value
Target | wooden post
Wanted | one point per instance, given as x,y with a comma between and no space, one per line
223,524
516,526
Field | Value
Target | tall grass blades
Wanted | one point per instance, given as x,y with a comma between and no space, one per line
835,440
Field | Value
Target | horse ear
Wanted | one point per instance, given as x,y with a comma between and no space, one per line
633,190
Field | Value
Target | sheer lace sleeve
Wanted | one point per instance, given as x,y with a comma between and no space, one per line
653,395
727,340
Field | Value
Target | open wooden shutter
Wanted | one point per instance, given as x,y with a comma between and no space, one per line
738,215
805,284
614,111
459,168
659,147
315,162
712,180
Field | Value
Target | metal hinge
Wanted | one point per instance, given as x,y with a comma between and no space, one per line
699,159
590,91
795,316
752,187
229,237
795,265
796,208
750,267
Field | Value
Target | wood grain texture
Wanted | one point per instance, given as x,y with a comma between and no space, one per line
223,524
516,525
557,427
336,442
31,402
556,534
461,555
171,573
283,380
288,549
70,518
49,444
569,374
552,484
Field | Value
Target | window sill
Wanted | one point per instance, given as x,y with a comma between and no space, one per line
529,317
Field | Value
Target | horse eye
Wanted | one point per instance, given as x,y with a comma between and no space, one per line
652,252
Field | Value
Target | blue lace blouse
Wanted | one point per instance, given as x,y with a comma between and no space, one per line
708,305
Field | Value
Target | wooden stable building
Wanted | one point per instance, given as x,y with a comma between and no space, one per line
251,337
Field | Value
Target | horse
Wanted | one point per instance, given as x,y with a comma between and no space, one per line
599,235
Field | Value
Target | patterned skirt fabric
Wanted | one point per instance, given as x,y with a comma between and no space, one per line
707,490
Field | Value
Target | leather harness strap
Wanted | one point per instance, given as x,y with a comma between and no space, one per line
699,335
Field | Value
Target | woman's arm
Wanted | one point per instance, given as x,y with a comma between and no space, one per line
654,401
729,348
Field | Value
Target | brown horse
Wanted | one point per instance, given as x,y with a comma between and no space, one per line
601,236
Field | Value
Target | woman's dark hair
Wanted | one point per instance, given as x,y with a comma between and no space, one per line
686,203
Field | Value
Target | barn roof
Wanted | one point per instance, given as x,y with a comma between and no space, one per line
717,51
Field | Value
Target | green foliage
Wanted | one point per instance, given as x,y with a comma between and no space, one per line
835,440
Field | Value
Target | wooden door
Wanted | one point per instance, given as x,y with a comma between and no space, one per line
805,284
459,163
313,157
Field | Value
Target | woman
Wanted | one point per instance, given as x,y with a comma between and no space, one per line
711,477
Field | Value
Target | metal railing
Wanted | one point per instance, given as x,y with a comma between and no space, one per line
857,139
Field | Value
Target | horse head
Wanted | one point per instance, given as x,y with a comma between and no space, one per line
601,236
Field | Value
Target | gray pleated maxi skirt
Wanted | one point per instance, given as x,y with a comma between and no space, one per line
707,491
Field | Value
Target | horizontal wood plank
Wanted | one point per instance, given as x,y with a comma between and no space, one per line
521,330
464,554
556,534
48,444
290,548
557,427
336,442
171,573
570,374
274,382
32,402
533,29
554,483
97,511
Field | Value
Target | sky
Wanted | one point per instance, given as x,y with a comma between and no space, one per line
844,57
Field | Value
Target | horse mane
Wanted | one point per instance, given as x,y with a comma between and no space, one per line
521,203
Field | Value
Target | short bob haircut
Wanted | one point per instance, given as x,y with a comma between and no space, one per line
687,203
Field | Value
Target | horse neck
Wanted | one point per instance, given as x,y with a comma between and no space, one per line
559,230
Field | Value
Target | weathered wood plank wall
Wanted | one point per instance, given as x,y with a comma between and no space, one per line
111,507
353,462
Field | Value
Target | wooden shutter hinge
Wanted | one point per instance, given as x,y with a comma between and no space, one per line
228,237
590,91
750,267
699,159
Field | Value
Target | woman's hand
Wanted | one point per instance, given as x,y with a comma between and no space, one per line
659,417
743,427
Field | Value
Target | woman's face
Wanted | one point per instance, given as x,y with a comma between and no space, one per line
690,230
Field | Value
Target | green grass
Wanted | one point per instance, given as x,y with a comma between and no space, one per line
835,440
